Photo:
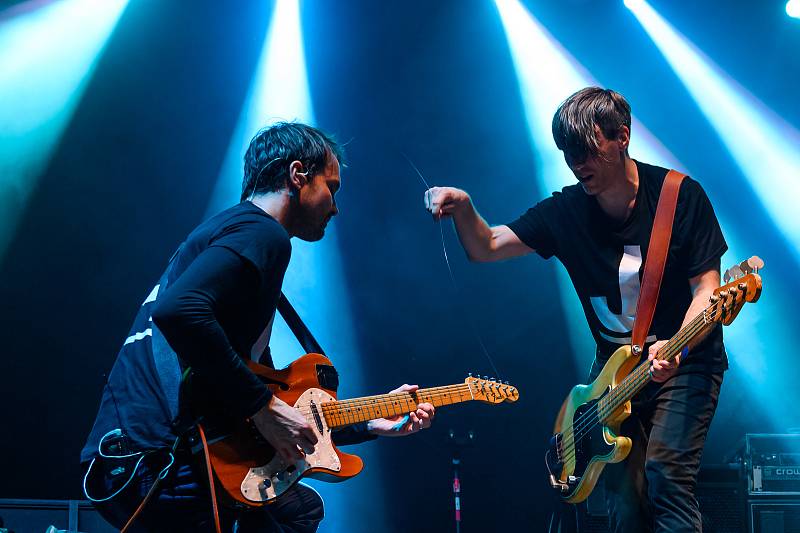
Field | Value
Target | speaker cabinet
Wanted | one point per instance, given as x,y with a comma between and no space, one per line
774,515
720,494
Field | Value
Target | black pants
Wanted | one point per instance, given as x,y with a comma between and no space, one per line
653,489
183,504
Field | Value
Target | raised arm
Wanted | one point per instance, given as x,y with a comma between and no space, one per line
481,242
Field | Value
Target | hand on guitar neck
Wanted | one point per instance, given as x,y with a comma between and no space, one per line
661,369
400,426
254,473
587,430
286,429
289,432
703,286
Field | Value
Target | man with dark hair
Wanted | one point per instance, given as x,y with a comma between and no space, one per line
211,310
599,229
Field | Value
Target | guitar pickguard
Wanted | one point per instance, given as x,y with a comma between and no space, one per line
571,453
267,482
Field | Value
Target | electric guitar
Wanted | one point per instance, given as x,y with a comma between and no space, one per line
251,473
586,435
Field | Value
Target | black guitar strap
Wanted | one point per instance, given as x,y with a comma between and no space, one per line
298,327
326,374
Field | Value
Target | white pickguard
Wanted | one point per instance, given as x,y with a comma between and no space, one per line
274,478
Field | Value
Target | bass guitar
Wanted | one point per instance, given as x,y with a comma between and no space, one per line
251,473
586,435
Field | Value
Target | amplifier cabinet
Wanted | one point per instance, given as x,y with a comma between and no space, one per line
773,515
720,494
772,464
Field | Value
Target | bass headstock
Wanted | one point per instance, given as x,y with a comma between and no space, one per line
742,285
490,390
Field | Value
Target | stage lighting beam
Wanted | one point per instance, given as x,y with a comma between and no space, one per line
793,8
314,281
50,51
765,148
547,74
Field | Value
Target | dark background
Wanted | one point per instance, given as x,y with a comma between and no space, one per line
133,172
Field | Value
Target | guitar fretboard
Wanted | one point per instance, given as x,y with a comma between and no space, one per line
343,413
640,376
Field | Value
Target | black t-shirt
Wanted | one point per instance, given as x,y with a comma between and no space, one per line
604,259
211,306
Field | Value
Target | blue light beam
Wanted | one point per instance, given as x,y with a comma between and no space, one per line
314,281
547,74
278,91
50,53
793,8
764,146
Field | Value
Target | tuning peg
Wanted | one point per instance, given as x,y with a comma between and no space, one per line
492,379
469,374
485,378
733,272
756,263
752,265
746,268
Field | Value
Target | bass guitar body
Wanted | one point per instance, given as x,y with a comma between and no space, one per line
249,469
586,436
582,445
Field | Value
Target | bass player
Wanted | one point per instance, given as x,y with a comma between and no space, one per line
599,228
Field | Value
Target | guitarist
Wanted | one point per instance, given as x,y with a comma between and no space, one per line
213,308
599,228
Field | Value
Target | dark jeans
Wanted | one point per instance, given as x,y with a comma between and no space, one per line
183,504
653,489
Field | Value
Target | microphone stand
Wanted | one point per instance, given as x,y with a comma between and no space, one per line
457,445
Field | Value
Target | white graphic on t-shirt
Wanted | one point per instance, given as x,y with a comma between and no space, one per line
629,292
148,332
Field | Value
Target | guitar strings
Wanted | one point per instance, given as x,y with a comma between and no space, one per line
630,384
638,377
386,402
307,412
635,379
675,344
335,407
371,400
456,288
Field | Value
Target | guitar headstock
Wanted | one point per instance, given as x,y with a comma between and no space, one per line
742,284
490,390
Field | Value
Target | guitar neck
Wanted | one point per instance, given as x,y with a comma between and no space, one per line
640,376
726,302
341,413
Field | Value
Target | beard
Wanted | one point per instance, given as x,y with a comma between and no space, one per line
311,234
310,224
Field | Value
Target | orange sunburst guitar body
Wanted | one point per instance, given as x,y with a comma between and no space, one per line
586,434
251,473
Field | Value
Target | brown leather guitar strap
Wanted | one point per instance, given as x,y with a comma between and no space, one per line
656,259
